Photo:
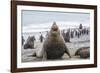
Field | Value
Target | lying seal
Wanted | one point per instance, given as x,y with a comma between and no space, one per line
83,52
29,43
54,46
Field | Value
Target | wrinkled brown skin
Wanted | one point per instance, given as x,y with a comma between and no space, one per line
54,46
83,52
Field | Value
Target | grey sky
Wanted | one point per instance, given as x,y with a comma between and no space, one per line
39,17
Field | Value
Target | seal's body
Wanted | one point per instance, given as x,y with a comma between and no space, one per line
29,43
83,52
54,46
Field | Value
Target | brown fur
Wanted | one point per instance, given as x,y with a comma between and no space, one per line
83,52
54,46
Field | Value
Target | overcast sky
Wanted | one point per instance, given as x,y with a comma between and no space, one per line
38,17
37,21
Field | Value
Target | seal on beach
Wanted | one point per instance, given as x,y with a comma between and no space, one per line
54,46
83,52
29,42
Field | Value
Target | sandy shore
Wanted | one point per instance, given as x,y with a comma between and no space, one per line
72,46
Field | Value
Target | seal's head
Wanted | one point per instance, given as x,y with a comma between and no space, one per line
54,30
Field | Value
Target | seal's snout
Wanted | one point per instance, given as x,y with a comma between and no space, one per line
55,29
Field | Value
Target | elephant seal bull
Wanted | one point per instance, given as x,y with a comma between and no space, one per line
54,46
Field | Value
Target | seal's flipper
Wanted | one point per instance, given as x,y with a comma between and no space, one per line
67,51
